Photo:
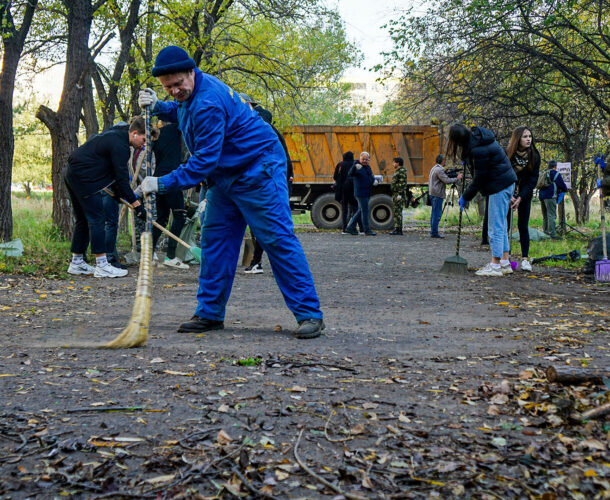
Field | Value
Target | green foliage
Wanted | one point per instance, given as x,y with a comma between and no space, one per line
32,157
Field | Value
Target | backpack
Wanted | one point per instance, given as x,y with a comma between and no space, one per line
544,180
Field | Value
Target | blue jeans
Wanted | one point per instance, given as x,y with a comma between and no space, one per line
498,226
111,225
435,215
363,213
257,197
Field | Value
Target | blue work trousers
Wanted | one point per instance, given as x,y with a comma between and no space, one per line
258,198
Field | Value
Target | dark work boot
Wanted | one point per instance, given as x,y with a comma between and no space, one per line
397,231
200,325
310,328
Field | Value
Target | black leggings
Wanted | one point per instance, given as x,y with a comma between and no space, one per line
523,219
172,201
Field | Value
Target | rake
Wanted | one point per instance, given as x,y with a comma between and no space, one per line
456,264
135,333
602,267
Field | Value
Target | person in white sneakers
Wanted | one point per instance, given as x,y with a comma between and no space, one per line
99,164
493,176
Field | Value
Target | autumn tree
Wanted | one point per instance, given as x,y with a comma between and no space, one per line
13,40
505,63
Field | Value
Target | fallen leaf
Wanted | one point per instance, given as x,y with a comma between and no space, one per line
223,438
298,388
160,479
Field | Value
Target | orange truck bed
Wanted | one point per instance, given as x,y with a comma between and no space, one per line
315,150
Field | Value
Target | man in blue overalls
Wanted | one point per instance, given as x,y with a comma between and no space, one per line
240,157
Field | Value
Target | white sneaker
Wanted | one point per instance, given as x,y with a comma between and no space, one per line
82,268
176,263
489,271
525,265
109,271
255,269
506,269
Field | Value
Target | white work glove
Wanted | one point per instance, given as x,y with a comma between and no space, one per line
375,182
138,192
150,185
147,98
399,198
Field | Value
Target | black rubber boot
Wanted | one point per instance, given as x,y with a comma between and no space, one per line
310,328
200,325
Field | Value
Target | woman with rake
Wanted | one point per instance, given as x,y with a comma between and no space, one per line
493,176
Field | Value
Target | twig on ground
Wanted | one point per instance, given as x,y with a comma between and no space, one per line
342,440
249,486
320,479
600,411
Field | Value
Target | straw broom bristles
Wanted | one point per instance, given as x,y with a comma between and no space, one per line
136,332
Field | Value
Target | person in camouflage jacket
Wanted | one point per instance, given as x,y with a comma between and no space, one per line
400,193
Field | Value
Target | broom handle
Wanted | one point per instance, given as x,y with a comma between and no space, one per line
459,235
171,235
603,216
148,200
160,227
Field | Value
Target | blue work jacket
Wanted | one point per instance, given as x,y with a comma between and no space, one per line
222,132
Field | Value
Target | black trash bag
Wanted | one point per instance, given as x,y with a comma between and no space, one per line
595,253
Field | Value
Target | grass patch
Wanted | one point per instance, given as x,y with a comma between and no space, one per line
46,252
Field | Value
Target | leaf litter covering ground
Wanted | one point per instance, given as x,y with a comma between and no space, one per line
200,419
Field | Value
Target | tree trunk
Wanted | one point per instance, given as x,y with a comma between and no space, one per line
13,41
7,140
63,125
92,127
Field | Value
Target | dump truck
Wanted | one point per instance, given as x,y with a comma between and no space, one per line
315,150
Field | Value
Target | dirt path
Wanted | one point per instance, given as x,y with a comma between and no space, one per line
402,396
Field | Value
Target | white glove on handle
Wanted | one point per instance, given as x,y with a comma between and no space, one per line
147,98
150,185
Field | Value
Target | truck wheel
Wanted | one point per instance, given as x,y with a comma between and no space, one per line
326,212
381,212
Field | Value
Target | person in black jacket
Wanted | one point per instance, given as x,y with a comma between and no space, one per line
98,165
168,156
256,266
525,159
493,176
347,200
363,184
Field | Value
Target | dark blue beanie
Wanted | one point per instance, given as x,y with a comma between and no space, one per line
172,59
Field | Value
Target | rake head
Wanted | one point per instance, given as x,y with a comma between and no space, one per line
455,265
136,332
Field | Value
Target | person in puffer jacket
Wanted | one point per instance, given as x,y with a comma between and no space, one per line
493,176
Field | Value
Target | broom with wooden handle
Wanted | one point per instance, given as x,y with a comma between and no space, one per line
136,332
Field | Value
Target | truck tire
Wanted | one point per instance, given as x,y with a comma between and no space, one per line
326,212
381,212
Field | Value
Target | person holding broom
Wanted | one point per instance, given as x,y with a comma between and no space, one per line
493,176
240,157
93,169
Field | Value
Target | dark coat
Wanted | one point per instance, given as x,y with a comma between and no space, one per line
527,179
557,186
168,149
491,168
363,180
100,163
340,176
